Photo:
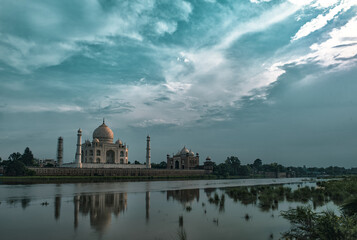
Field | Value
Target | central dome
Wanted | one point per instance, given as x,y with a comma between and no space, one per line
184,151
103,133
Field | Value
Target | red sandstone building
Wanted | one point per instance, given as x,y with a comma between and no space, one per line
184,159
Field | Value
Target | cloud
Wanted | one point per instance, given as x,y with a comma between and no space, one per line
321,20
165,27
338,51
266,19
43,33
39,107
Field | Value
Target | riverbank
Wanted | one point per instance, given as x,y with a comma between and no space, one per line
84,179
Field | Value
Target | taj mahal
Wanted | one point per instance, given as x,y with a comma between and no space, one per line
102,151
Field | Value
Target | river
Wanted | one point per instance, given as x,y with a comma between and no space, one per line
140,210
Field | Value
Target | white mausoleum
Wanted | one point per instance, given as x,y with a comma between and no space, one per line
102,149
103,152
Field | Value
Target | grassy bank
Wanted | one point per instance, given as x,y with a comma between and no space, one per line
76,179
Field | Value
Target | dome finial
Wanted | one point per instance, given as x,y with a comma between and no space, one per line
103,121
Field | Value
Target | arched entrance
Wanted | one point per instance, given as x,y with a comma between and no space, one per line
177,165
110,156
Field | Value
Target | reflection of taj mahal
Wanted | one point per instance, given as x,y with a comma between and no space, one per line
102,149
100,208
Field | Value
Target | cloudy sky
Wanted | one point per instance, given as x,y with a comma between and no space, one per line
275,80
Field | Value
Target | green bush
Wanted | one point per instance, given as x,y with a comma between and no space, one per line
307,224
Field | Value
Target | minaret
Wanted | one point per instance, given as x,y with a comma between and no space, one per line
148,156
79,149
60,152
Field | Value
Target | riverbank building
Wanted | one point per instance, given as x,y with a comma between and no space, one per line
184,159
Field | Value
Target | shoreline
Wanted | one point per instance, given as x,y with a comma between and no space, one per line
89,179
84,179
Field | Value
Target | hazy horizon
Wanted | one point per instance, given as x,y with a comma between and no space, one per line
274,80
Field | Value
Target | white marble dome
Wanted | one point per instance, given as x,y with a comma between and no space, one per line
184,151
103,133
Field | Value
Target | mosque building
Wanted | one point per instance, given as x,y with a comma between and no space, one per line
184,159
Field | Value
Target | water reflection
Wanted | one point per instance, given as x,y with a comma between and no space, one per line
25,202
57,206
184,196
208,191
100,208
147,205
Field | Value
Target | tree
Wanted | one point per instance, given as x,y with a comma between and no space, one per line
162,165
17,168
136,162
27,157
233,164
15,156
244,170
257,164
221,169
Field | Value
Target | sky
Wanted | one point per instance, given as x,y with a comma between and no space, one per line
268,79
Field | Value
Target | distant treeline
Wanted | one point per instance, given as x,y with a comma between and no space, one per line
17,163
232,167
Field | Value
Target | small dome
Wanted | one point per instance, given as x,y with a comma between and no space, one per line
191,153
103,133
208,158
119,142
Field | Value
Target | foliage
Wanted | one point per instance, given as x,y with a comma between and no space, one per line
233,164
15,156
162,165
350,207
257,163
231,167
27,157
16,164
17,168
307,224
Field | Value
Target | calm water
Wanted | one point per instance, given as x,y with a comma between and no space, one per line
137,210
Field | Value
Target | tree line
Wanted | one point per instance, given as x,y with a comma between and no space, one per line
17,163
232,167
